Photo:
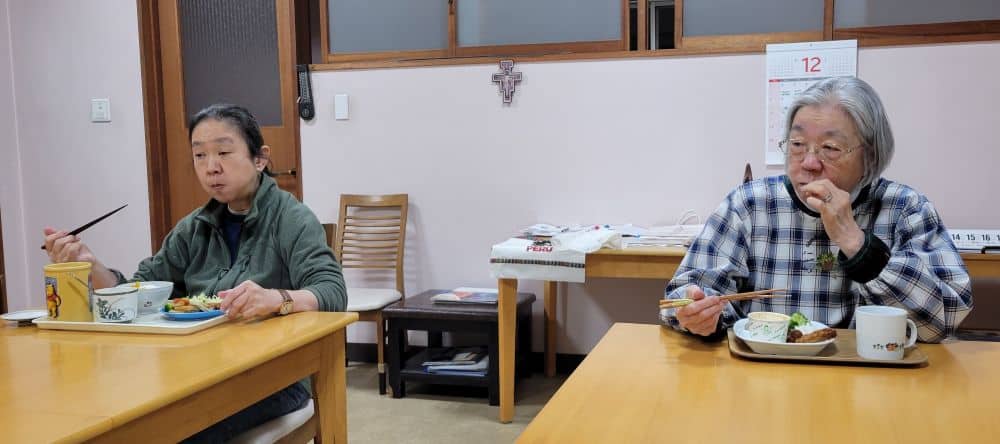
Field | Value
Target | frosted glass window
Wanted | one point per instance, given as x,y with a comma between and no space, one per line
727,17
230,52
514,22
862,13
397,25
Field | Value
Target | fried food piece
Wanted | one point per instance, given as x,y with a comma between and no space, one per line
817,336
793,335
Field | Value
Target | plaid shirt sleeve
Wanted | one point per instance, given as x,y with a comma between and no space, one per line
925,274
715,261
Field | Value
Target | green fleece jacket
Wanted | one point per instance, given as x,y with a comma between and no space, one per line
282,245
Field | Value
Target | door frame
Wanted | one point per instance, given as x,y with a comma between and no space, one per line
151,61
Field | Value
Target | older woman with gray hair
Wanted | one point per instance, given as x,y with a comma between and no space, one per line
831,230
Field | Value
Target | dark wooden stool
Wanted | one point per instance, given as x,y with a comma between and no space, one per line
420,313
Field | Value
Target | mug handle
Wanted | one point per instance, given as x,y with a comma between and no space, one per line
912,340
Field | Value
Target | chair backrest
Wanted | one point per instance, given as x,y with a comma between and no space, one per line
985,314
371,232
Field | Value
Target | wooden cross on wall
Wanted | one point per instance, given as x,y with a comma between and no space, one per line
507,79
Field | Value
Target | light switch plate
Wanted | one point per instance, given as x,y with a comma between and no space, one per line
100,110
340,107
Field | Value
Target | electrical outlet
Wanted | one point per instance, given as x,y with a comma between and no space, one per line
100,110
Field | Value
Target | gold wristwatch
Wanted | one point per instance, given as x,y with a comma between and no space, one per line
286,303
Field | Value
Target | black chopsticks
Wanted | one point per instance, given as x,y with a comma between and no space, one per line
91,223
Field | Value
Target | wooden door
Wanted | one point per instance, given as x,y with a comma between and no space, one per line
3,278
228,51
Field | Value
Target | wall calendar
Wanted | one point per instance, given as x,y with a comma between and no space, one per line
793,67
966,239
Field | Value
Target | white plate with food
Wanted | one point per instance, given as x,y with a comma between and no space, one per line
786,348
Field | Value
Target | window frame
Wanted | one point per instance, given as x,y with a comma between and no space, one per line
914,34
455,51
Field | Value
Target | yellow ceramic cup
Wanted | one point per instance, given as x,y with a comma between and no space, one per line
68,291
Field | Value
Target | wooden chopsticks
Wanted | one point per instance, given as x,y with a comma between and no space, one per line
91,223
772,293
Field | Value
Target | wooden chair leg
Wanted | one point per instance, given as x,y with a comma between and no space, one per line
380,349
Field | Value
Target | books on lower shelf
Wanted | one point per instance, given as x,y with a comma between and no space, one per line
467,295
454,356
469,361
476,369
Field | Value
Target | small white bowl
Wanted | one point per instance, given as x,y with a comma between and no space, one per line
152,295
782,348
767,326
116,304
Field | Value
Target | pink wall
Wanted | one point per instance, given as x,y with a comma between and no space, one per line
613,141
65,169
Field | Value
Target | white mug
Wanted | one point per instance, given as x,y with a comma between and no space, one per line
881,332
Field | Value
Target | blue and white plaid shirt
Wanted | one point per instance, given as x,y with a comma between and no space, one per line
763,237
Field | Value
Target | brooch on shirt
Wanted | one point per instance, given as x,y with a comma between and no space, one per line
826,261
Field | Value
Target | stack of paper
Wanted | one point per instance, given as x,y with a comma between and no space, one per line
666,236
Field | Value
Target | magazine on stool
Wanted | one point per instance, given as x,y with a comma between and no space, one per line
467,295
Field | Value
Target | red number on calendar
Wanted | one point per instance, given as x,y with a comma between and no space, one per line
811,64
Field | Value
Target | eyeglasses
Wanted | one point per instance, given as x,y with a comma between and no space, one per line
828,152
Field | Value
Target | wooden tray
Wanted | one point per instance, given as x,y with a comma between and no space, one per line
153,323
842,351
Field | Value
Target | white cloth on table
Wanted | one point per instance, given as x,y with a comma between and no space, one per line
588,241
563,259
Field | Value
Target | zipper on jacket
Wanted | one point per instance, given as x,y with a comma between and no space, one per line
218,278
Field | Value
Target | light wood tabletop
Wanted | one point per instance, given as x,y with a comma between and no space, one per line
68,386
632,263
647,383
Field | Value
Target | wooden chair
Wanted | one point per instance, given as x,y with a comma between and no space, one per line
297,427
371,235
983,322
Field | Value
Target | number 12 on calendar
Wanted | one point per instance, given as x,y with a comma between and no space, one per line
811,64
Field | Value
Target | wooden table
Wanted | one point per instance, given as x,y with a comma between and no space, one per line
646,383
636,263
67,386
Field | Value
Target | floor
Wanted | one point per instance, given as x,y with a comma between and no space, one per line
437,414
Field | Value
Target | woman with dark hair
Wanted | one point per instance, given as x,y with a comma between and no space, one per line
254,245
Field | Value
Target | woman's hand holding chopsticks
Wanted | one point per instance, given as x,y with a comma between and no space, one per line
699,314
64,247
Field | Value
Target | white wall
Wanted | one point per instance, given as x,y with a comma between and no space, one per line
15,264
62,170
637,141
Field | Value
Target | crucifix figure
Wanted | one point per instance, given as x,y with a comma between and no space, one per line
507,79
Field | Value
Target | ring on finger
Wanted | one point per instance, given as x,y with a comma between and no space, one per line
828,198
